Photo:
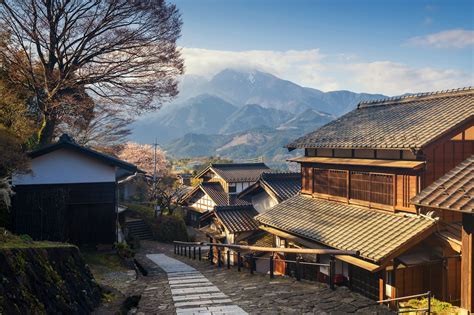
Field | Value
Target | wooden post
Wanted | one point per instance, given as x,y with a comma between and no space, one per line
228,259
189,252
332,271
211,254
467,261
271,266
382,285
194,252
429,302
298,272
239,261
185,250
199,252
219,260
251,263
174,248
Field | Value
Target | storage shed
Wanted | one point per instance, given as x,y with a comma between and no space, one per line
70,194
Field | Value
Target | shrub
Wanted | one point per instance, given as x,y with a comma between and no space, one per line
124,251
165,228
170,228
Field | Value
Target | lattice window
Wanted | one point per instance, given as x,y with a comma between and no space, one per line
307,179
330,182
372,187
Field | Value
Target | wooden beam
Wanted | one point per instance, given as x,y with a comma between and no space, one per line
467,274
346,258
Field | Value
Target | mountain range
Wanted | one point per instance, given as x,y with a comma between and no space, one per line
241,114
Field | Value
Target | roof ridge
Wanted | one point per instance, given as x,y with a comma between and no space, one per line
237,164
417,96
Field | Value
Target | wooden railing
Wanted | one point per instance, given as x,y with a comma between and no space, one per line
426,310
184,249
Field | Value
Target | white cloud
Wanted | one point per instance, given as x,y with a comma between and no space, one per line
314,69
446,39
300,66
395,78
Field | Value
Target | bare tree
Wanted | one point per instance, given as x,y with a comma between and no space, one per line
122,52
107,127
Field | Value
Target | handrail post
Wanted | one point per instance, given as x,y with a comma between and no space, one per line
219,260
211,254
199,252
189,253
298,274
194,252
239,261
332,271
174,248
429,302
185,250
181,250
251,263
228,258
271,266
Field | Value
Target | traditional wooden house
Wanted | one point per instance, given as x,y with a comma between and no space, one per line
359,175
271,189
220,185
451,198
70,194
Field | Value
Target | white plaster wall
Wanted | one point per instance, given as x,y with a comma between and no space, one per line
263,201
65,167
204,203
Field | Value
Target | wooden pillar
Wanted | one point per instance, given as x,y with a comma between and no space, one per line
382,284
467,275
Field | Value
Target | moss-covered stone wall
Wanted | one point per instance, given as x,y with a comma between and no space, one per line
46,280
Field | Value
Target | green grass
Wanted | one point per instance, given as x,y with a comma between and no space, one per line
9,241
104,261
437,306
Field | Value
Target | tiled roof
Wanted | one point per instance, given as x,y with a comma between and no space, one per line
66,142
239,172
283,184
237,219
375,234
453,191
215,191
395,123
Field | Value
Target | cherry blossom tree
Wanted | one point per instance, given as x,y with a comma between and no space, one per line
142,156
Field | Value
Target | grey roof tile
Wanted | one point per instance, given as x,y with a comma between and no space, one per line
453,191
237,218
215,191
395,123
343,226
239,172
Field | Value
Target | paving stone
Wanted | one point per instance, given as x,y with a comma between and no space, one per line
253,294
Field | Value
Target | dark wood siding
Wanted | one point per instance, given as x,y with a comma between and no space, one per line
75,213
444,154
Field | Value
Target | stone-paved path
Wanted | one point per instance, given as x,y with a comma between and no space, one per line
255,294
192,292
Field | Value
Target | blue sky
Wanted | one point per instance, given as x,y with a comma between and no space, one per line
389,47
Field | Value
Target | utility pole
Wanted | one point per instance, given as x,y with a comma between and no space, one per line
155,145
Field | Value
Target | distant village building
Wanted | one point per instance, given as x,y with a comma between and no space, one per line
271,189
185,179
70,194
220,186
360,173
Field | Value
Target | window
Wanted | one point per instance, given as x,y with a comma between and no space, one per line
372,187
232,189
306,179
330,182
